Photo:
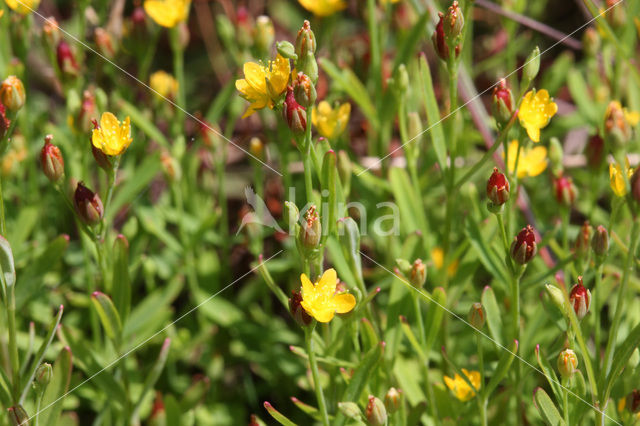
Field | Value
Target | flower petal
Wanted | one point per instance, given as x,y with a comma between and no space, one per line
344,302
322,315
328,282
307,286
533,131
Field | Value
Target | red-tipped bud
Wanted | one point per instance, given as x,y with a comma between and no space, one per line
580,298
418,274
66,60
502,103
87,114
376,412
5,123
567,363
12,93
18,416
138,21
600,241
583,240
88,205
305,41
524,246
311,231
51,160
304,90
392,400
453,22
294,114
498,188
297,311
594,151
477,316
440,41
104,42
158,414
102,160
564,190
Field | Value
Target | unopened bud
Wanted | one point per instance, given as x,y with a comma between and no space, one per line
567,363
531,65
453,22
393,400
18,416
12,93
5,123
632,401
565,191
600,241
440,42
477,316
51,32
498,188
311,232
286,49
264,34
555,295
256,148
580,298
294,114
297,311
556,155
105,43
583,240
502,103
51,160
304,90
376,412
524,246
88,205
87,113
616,15
170,166
66,59
306,40
350,410
591,41
418,274
43,376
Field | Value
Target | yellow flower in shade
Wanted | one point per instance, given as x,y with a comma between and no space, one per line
1,13
263,84
437,255
112,137
164,84
323,7
531,162
23,7
167,13
320,299
331,122
535,112
461,388
616,177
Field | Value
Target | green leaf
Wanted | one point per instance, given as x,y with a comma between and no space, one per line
108,316
494,318
502,368
622,355
433,114
435,315
195,393
411,337
121,280
51,405
131,189
329,199
399,180
547,408
6,263
549,374
152,377
277,416
349,235
361,377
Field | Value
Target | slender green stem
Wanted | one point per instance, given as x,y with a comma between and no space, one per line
178,69
597,288
3,225
313,364
613,334
307,161
482,398
565,401
13,347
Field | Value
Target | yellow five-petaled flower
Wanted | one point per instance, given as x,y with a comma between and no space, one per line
531,161
461,388
263,84
112,137
331,122
320,299
536,110
167,13
323,7
23,7
616,177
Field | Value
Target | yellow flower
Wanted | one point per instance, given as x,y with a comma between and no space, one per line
461,388
1,13
167,13
437,255
320,299
263,84
616,178
535,112
331,122
164,84
111,137
323,7
23,7
531,162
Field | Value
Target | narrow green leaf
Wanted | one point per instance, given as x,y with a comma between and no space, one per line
121,280
268,279
622,355
547,408
329,196
368,335
549,374
411,337
349,235
277,416
6,262
57,387
152,377
433,113
108,316
494,318
399,180
435,315
308,409
195,393
502,368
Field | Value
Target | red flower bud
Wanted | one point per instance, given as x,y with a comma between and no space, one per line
453,21
502,103
51,160
5,123
294,114
498,188
600,241
88,205
632,402
418,274
376,412
524,246
297,311
311,231
580,298
440,41
564,190
583,240
594,151
66,61
477,316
